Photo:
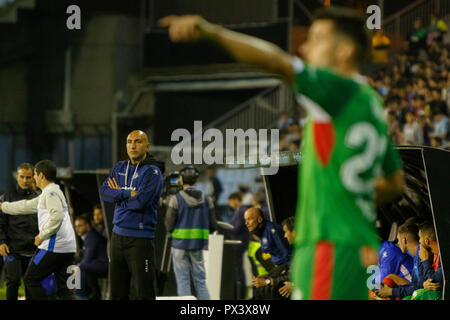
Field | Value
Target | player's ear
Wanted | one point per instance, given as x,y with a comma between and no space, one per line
346,51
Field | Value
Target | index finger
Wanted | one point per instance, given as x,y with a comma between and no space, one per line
166,21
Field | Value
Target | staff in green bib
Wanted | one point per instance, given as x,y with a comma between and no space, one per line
190,217
349,162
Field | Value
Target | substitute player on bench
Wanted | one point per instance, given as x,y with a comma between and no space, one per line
349,162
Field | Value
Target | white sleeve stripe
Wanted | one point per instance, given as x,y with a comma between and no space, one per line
405,272
298,65
317,113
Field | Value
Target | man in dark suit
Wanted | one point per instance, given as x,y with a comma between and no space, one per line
94,259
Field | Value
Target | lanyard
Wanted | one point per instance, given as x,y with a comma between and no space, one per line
132,178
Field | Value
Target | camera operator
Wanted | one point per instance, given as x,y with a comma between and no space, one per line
190,217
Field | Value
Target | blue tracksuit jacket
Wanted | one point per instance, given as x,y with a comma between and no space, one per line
135,216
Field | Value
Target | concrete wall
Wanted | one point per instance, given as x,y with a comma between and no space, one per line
107,53
32,57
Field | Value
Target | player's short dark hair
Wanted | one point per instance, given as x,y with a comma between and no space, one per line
352,24
86,217
410,229
235,196
25,166
427,229
414,220
48,168
289,223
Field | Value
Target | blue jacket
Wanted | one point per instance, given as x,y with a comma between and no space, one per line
95,258
272,241
393,260
429,273
135,216
418,278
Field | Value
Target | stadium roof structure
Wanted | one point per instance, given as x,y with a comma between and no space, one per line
208,77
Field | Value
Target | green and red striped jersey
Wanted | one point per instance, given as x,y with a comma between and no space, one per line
346,146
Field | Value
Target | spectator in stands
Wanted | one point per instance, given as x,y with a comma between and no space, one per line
418,103
417,39
412,131
17,233
283,143
94,259
213,185
97,220
393,104
276,284
425,124
394,127
438,27
380,47
440,126
421,88
284,121
294,146
240,233
434,50
295,132
302,117
432,271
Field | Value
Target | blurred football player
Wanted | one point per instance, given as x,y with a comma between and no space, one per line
349,163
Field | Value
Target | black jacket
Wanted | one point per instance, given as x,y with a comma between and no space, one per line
94,256
18,232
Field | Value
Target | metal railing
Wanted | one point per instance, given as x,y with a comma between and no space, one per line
402,22
260,112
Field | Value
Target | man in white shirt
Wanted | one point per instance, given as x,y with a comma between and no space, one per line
56,238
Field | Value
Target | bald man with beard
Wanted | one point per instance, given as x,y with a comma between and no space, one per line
135,187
